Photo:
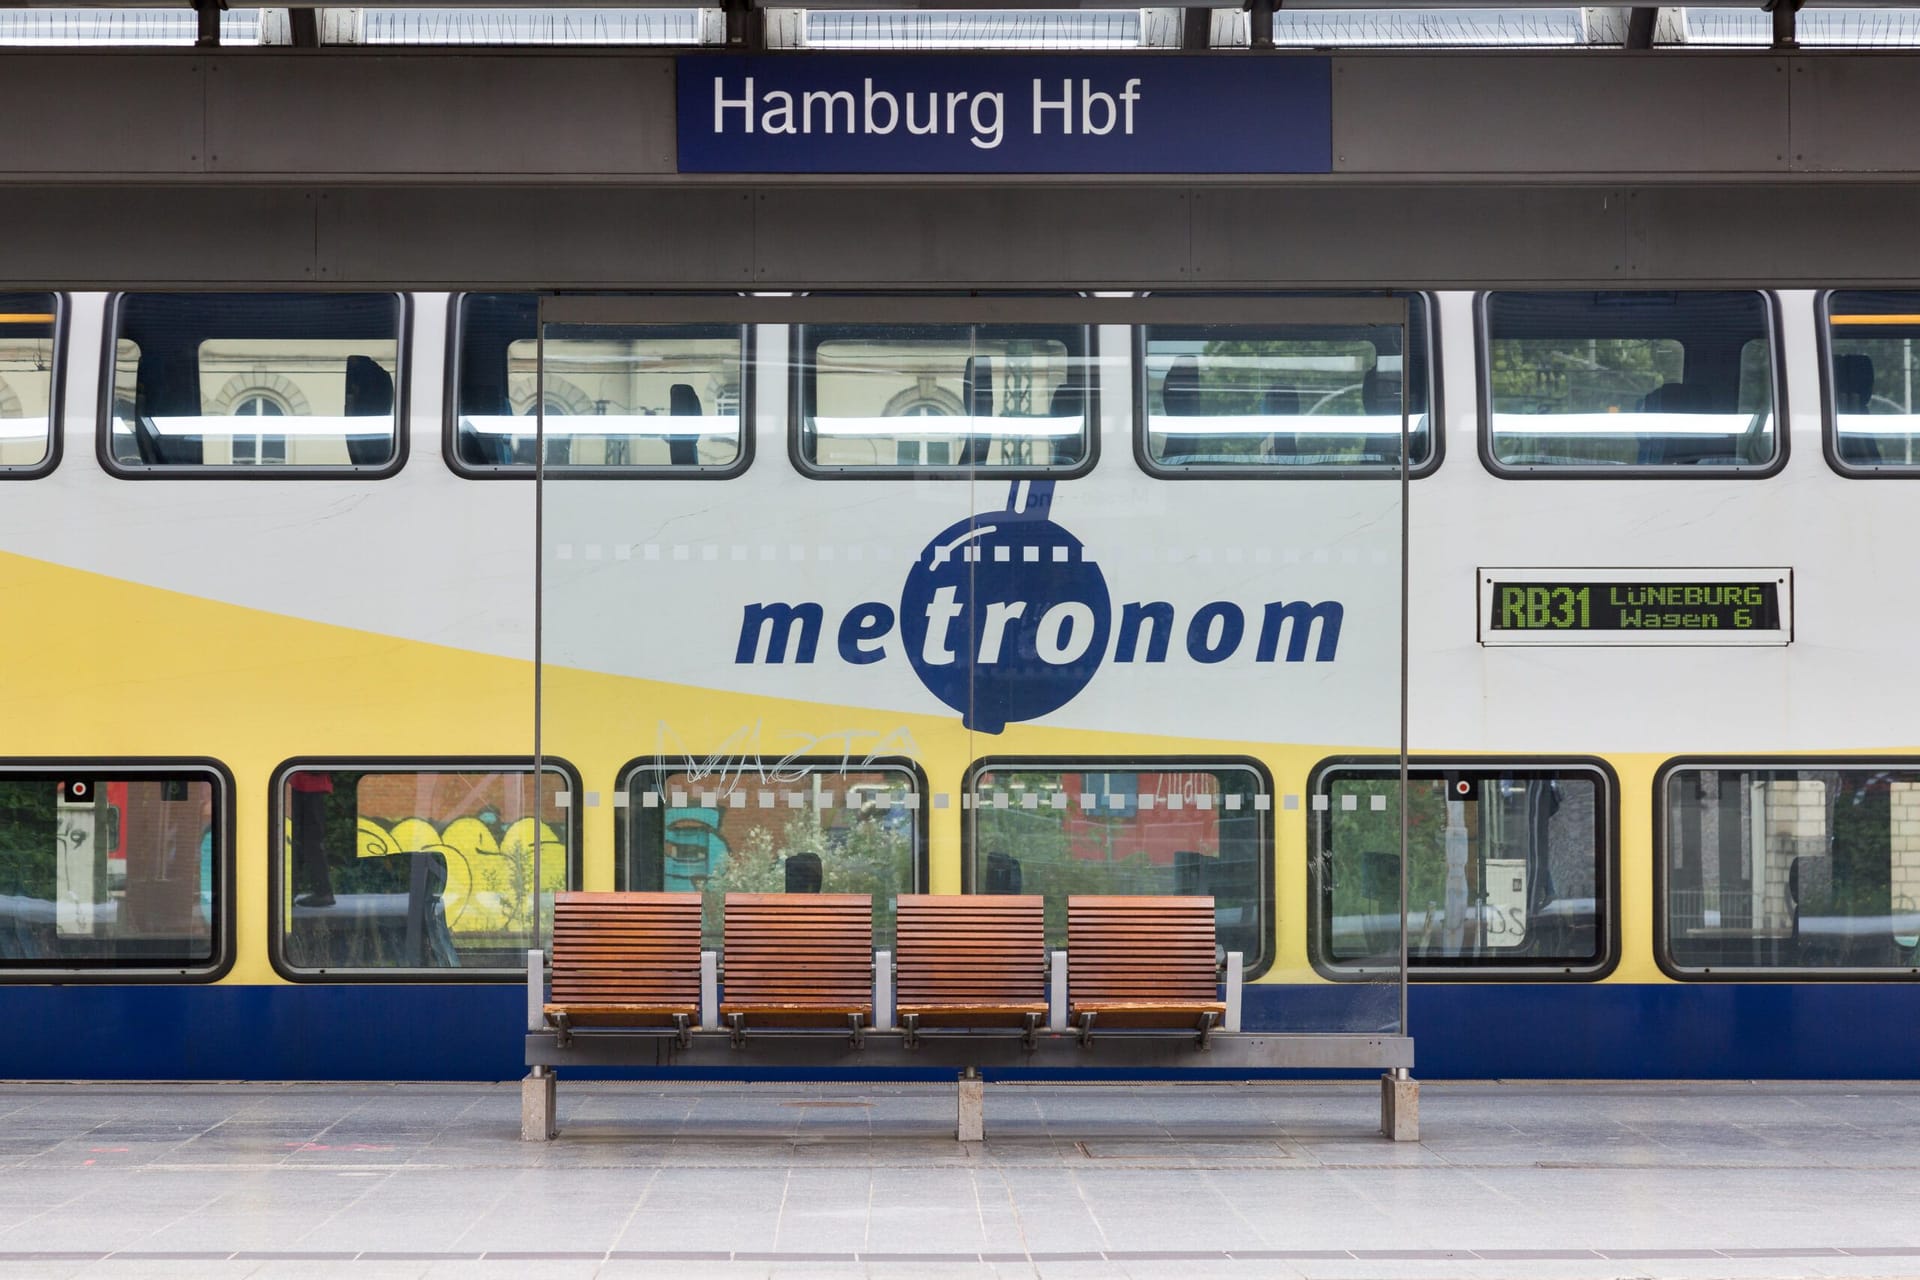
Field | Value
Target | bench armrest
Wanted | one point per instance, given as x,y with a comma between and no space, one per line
1236,977
883,991
536,990
1057,991
709,990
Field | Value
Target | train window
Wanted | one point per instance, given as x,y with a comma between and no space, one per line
1294,401
1810,869
384,869
775,826
667,400
1058,828
944,399
1872,364
1597,383
255,384
1509,867
111,869
27,367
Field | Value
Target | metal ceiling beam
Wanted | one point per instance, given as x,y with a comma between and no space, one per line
915,6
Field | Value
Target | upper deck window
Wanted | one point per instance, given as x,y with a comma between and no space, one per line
251,383
944,398
1598,382
1871,370
1289,400
645,398
26,381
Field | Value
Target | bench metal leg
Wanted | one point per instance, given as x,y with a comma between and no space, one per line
1400,1106
537,1121
972,1125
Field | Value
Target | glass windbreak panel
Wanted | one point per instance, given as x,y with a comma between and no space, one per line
26,379
1504,867
99,870
1060,829
256,380
654,398
774,827
933,397
1319,396
1871,338
1814,868
417,869
1603,380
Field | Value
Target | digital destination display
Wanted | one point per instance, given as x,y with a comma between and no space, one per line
1636,606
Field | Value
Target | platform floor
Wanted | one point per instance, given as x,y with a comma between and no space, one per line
1560,1182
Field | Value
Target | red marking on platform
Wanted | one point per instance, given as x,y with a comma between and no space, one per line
86,1162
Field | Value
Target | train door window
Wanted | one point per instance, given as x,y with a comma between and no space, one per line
1510,868
1060,827
947,399
1873,425
1303,400
775,826
652,399
1774,870
28,368
389,870
256,384
1610,383
113,869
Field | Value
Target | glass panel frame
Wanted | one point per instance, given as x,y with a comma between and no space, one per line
463,367
1839,317
216,859
747,783
20,310
393,385
974,877
1778,418
1427,425
1785,893
1426,769
283,850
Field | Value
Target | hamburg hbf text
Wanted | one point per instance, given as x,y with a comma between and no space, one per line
1060,107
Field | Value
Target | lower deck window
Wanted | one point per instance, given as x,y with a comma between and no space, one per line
111,869
417,869
1507,868
1061,828
1798,868
775,827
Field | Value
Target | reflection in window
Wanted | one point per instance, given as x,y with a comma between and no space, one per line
194,375
26,378
105,871
767,827
1630,380
1057,830
416,869
649,396
944,396
1809,868
1293,396
1503,867
1871,338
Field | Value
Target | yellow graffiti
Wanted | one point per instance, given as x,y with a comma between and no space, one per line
487,878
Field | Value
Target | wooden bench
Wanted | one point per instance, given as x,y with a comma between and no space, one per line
973,961
625,960
1142,963
798,960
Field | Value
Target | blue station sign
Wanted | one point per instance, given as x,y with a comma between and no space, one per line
966,113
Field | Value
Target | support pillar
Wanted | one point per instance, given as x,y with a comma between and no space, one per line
1400,1106
973,1106
536,1106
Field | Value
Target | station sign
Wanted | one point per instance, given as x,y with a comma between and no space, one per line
1636,607
1040,113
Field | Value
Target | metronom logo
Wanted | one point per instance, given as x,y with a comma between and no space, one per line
1006,619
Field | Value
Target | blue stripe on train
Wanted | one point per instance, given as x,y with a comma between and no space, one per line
469,1032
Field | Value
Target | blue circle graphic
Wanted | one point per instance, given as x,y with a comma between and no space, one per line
1004,618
